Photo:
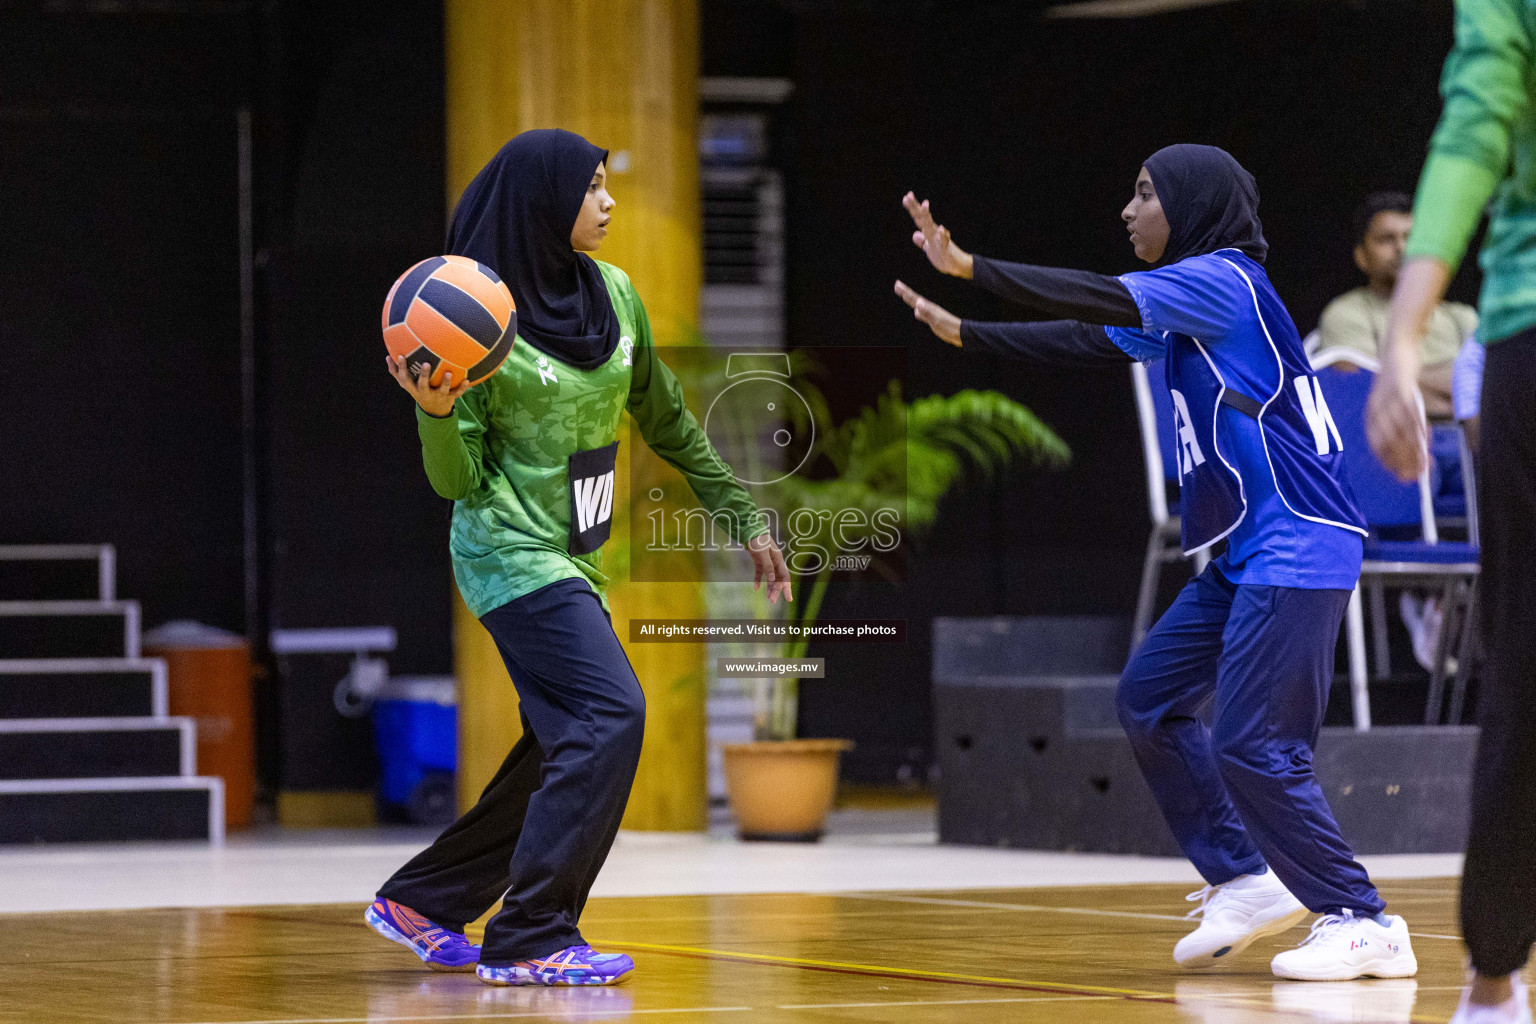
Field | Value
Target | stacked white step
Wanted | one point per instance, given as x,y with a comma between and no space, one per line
87,748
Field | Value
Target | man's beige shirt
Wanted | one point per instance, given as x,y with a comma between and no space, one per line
1358,320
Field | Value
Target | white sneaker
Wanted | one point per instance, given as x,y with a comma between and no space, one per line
1343,947
1425,618
1515,1010
1233,915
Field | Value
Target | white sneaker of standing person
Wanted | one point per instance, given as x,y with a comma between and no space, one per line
1343,946
1233,915
1514,1010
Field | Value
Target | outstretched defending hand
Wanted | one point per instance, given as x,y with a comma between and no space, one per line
934,240
434,401
944,323
768,563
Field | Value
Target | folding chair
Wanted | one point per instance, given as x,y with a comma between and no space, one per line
1311,343
1427,561
1154,413
1447,442
1471,646
1340,354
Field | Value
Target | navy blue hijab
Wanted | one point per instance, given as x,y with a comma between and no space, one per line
1210,202
516,218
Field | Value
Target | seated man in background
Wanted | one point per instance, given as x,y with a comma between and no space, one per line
1358,319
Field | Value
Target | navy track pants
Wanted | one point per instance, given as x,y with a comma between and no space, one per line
1498,891
1240,793
542,828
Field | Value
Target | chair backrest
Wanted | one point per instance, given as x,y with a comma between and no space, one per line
1342,354
1453,477
1154,413
1384,499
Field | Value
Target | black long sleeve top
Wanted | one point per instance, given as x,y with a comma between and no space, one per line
1052,342
1088,299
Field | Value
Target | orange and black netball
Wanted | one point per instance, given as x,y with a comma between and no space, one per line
450,314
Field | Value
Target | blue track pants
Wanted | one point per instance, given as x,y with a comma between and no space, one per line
1240,793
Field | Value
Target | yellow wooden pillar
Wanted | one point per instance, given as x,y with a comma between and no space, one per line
623,73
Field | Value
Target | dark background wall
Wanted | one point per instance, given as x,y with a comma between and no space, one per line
356,535
120,311
120,320
119,296
1027,134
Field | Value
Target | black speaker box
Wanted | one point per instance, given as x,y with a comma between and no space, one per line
1031,754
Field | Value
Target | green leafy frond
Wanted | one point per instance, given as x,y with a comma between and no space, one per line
989,421
892,457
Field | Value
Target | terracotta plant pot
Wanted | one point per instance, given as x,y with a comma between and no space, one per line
782,789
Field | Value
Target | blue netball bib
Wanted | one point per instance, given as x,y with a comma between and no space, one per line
1228,340
1210,487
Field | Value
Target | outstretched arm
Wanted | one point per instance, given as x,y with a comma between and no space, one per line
1069,294
1052,342
1048,342
1053,291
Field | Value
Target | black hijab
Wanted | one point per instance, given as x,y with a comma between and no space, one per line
1210,201
516,218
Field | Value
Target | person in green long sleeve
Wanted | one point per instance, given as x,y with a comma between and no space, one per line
1483,149
528,458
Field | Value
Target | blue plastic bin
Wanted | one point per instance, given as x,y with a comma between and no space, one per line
415,728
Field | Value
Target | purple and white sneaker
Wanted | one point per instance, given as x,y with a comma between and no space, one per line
574,965
439,948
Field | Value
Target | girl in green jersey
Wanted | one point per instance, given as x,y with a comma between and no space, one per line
527,457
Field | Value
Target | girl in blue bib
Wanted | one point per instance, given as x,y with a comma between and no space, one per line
1250,641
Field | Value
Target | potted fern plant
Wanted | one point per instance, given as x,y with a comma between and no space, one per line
893,454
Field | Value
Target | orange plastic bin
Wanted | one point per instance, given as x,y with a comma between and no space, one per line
209,673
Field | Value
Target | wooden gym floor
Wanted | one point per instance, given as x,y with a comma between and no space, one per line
1085,954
